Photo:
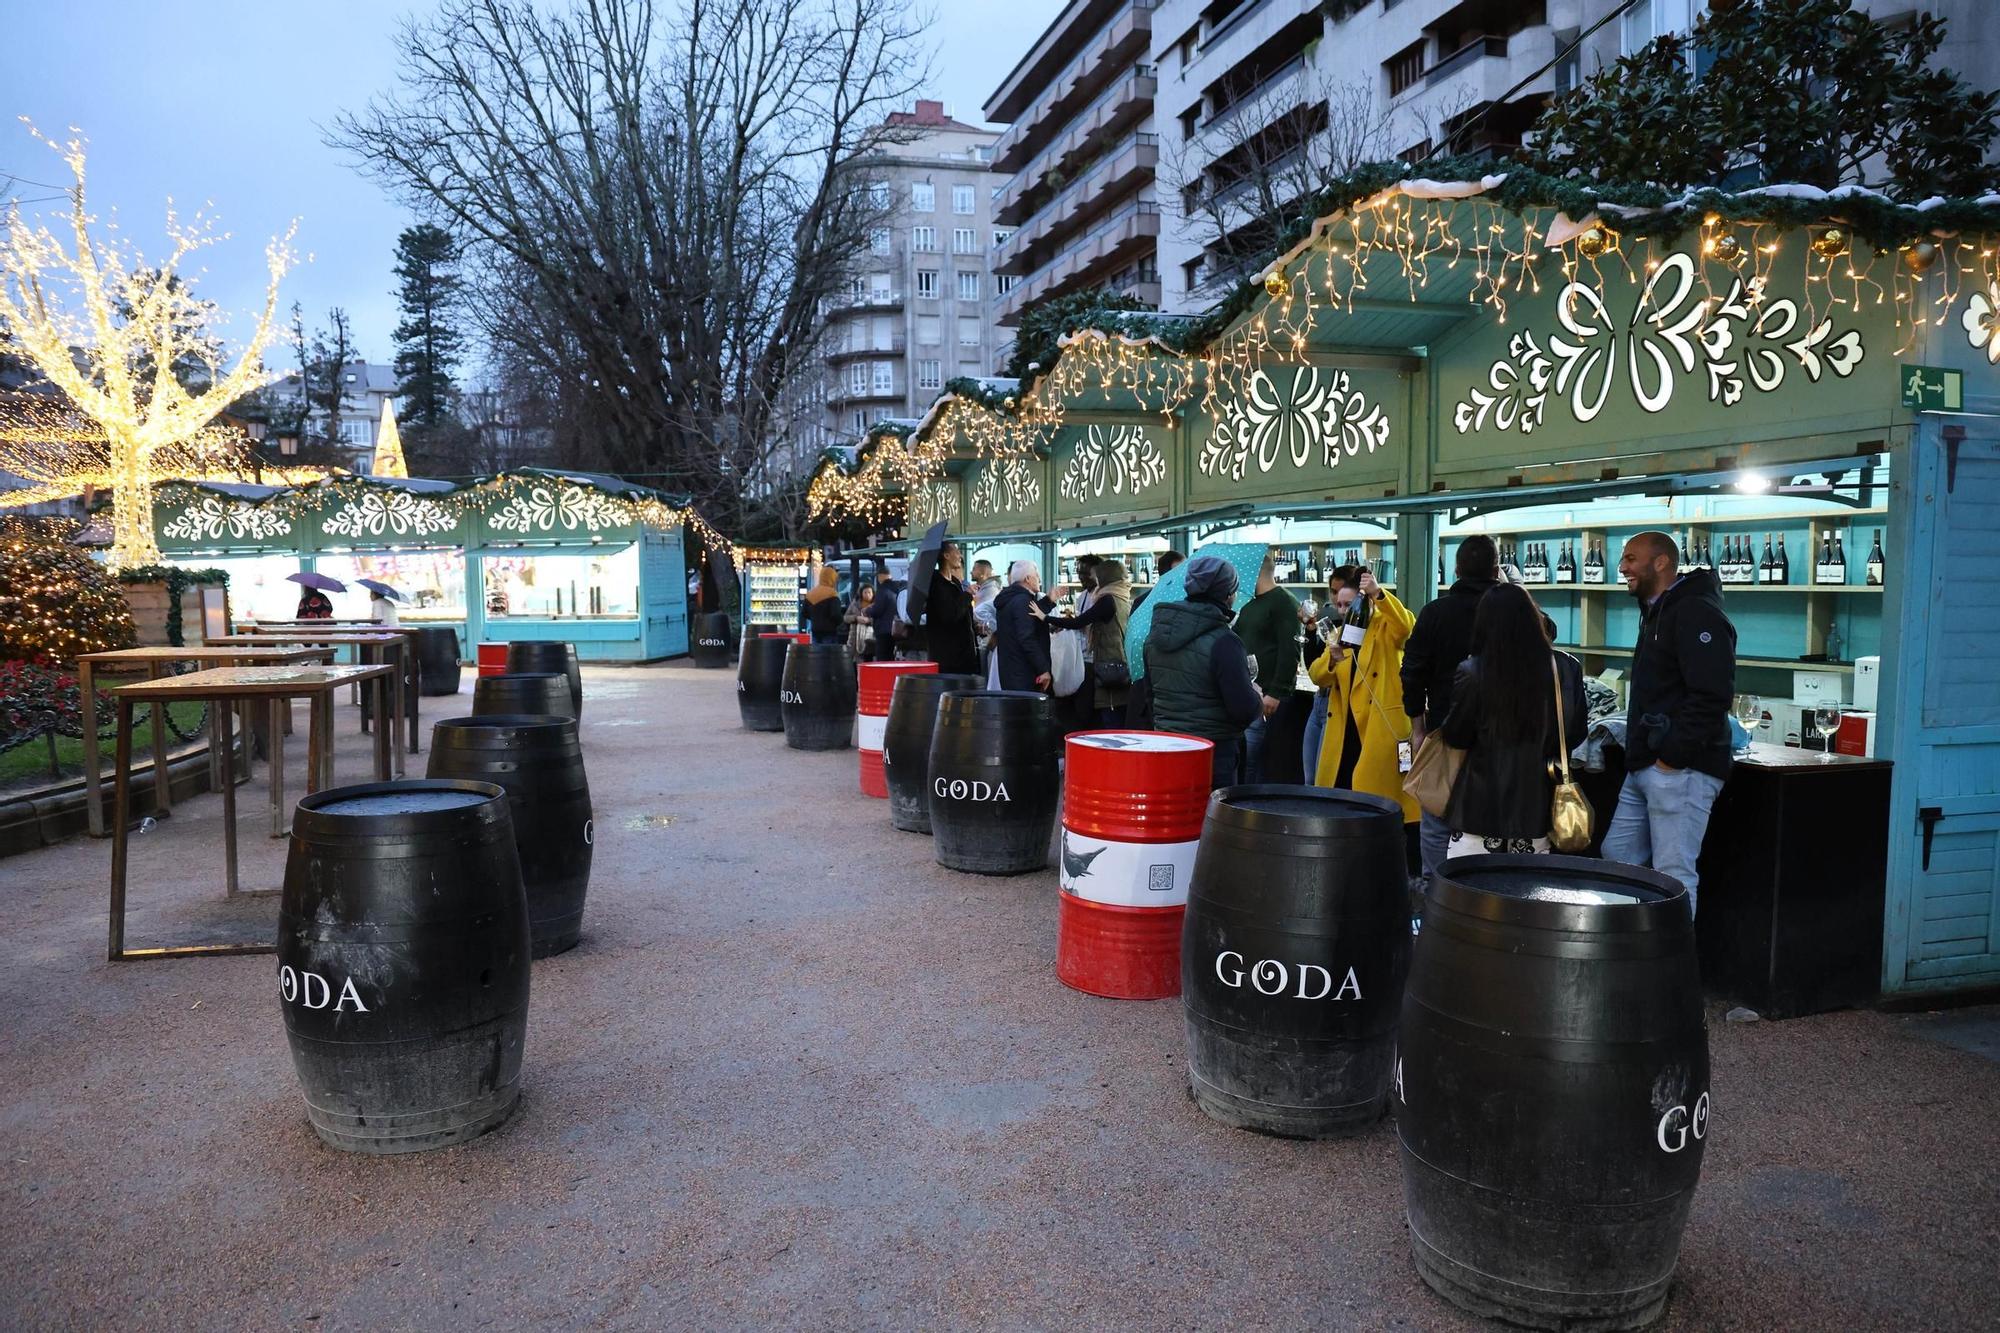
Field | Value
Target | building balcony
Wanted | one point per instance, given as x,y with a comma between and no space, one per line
1120,171
1117,109
1127,234
1120,45
1487,68
1272,96
855,303
896,347
846,395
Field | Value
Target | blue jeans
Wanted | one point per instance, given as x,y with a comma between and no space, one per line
1315,731
1660,822
1432,841
1253,749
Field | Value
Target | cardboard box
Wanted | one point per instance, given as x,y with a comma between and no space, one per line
1856,735
1788,722
1867,680
1816,687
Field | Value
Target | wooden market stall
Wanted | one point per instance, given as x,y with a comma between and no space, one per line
1788,370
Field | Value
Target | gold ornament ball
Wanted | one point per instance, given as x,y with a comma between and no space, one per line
1728,249
1830,243
1594,243
1276,284
1918,258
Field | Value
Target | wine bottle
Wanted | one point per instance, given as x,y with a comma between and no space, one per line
1767,570
1726,571
1823,567
1783,573
1876,563
1837,572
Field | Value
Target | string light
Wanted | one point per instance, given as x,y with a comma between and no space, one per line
55,600
119,354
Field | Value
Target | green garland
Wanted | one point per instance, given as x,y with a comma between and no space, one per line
177,581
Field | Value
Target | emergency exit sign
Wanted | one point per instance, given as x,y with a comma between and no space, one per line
1933,389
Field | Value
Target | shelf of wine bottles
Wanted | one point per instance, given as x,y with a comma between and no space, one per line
1737,560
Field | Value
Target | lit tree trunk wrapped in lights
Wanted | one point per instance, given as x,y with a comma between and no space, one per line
129,346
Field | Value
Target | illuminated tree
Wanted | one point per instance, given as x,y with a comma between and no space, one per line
55,601
126,343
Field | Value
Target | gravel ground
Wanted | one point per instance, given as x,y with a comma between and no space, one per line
798,1075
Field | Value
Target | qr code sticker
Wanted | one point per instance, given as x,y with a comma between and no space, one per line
1160,879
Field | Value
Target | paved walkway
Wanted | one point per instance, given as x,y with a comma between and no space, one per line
797,1075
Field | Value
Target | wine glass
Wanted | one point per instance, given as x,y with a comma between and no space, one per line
1750,712
1827,718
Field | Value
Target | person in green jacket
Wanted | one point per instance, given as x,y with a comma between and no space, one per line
1268,624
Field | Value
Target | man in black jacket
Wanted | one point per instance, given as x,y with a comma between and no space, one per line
1677,719
882,615
1020,638
1440,641
1200,673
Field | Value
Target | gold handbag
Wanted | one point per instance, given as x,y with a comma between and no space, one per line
1570,817
1435,772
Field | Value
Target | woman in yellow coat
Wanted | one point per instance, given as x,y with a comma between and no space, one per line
1366,726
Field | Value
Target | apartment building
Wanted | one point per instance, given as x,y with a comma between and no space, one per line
1079,209
918,310
365,386
1266,94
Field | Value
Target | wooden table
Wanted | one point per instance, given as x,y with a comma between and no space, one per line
410,635
368,645
315,684
154,661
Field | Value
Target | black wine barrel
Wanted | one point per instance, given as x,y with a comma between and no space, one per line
1293,954
751,633
403,963
536,692
1552,1089
438,664
711,639
816,697
526,656
906,745
539,764
994,781
759,678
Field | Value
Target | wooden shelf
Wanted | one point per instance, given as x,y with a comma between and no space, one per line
1730,589
1772,663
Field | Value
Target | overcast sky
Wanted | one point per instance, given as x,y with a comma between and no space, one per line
223,102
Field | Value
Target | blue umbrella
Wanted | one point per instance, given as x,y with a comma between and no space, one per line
306,578
1248,559
376,585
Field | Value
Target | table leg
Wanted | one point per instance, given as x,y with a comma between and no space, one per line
315,738
327,744
405,703
364,691
415,688
163,796
93,794
277,764
387,737
121,781
218,727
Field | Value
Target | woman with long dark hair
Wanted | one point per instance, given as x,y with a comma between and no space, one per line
1503,715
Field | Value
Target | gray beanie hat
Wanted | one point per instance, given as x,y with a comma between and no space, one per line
1210,578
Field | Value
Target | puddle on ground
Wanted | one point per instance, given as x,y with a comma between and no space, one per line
640,823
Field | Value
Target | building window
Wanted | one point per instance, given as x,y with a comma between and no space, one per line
968,286
1005,282
962,200
923,197
1191,275
968,369
354,432
885,376
964,241
930,374
927,284
1405,68
930,330
860,420
1190,121
1002,235
878,194
878,286
968,331
924,240
857,378
878,240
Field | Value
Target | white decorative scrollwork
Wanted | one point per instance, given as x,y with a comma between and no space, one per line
568,507
1005,486
1672,330
1981,322
1323,412
1123,459
212,517
933,502
390,513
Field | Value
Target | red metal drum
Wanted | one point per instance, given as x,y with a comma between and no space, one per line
1133,803
787,634
492,659
877,687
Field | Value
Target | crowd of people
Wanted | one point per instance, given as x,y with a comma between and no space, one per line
1477,667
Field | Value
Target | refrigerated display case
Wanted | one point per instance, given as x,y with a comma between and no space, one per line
774,582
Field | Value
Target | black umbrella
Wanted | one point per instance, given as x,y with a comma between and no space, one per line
922,568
